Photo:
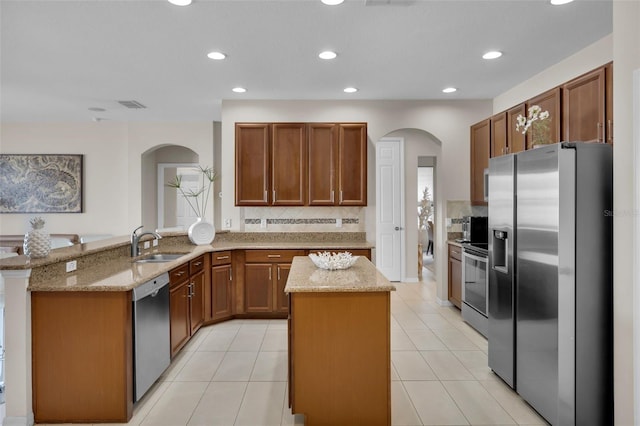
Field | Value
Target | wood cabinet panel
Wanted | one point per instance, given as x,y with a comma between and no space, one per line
196,302
279,256
258,287
179,316
252,164
281,302
480,150
352,165
549,101
82,357
222,295
323,146
288,164
583,108
499,144
515,139
455,275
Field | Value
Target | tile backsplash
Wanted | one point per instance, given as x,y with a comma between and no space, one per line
303,219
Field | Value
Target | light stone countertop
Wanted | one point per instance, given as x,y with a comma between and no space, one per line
108,266
363,276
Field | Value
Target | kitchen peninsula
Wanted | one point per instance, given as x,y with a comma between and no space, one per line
339,344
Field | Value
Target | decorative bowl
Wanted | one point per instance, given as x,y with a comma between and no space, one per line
332,261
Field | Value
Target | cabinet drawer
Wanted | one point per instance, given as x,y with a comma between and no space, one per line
455,252
196,265
220,258
275,256
179,274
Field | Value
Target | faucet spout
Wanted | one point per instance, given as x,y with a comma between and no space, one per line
135,240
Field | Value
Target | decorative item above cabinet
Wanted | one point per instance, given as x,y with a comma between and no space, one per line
301,164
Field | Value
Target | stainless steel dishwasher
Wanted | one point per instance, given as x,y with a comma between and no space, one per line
151,330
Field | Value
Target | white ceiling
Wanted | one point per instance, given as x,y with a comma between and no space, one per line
60,58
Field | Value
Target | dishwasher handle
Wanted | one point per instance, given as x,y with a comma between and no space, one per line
151,287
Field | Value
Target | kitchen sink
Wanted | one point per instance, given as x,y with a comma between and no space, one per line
159,257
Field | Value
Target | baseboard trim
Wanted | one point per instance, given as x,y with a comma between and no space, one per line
443,302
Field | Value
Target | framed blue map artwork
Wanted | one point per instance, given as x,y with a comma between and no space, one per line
41,183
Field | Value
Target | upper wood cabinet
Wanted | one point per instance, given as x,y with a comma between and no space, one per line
252,164
549,101
515,138
288,164
297,164
323,157
499,141
352,165
583,108
480,150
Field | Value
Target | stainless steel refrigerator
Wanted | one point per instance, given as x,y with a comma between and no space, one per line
562,296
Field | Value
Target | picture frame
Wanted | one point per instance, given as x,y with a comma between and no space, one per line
41,183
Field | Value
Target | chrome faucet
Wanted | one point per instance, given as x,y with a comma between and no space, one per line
135,239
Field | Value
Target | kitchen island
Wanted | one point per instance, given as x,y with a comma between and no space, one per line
339,344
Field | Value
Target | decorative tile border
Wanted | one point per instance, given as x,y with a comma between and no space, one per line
353,221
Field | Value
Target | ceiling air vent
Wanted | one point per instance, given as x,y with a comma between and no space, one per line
132,104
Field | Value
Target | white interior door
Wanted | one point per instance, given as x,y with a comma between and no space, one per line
390,207
185,215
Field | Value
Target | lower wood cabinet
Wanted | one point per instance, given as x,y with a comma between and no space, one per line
221,300
82,356
265,276
455,275
187,301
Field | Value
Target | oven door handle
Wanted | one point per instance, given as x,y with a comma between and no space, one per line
474,257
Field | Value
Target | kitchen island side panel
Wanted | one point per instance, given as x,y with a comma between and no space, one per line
341,357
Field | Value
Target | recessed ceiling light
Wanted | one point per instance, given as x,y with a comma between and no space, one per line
239,89
216,55
327,54
180,2
350,90
332,2
449,90
492,55
560,2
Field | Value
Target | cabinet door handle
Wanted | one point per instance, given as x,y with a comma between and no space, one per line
274,196
600,130
230,274
269,274
278,273
341,198
332,195
265,196
273,255
609,131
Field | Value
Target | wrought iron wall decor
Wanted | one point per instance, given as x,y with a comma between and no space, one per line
41,183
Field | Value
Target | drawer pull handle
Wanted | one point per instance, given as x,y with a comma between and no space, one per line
197,263
455,252
273,255
180,273
222,257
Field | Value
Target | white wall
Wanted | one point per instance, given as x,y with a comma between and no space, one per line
112,168
589,58
447,121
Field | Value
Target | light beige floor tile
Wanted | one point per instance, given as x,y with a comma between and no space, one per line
478,406
176,405
235,367
176,365
400,341
227,325
476,362
289,419
436,321
277,324
196,340
275,340
219,405
248,339
410,321
270,367
262,404
218,340
446,366
394,374
402,411
421,307
433,404
513,404
255,324
200,367
426,340
410,365
142,407
455,340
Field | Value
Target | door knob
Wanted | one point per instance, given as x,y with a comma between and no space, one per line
398,228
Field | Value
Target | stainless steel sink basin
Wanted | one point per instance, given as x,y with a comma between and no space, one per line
159,257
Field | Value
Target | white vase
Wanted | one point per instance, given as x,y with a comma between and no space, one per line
37,243
201,232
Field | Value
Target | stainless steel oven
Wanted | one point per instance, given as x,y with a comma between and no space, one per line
475,286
